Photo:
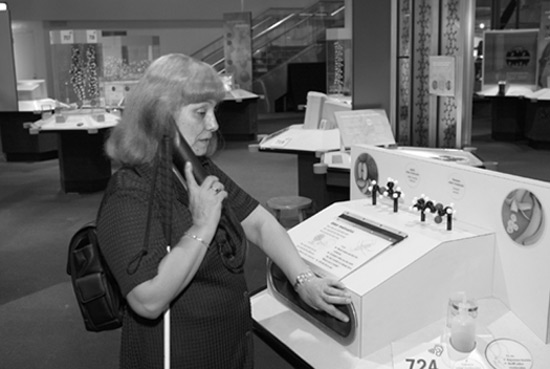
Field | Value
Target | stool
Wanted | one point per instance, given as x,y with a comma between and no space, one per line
298,203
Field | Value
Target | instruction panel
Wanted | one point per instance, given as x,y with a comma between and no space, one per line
343,244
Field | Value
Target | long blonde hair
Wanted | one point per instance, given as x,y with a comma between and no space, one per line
170,82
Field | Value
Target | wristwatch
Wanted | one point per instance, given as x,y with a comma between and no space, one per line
303,278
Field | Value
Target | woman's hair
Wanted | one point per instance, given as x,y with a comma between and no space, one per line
169,83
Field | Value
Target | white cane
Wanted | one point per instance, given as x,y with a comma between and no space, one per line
167,334
167,339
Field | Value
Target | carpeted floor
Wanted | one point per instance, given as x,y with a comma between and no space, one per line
40,325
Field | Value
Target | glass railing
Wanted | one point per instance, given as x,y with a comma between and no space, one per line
213,53
300,31
280,33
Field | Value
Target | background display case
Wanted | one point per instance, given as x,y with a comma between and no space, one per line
125,59
31,89
338,61
94,68
509,76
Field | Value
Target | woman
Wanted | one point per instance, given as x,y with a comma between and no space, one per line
203,286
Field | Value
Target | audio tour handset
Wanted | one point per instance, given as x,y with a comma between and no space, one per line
230,236
182,153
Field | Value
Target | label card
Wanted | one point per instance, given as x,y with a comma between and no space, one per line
368,126
339,246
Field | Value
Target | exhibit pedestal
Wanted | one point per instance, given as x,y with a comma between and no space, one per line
387,260
303,345
481,233
508,118
18,144
537,127
237,115
323,189
83,165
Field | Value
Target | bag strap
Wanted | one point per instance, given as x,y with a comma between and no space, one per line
163,164
166,184
134,263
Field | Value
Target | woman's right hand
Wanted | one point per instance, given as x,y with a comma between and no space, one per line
205,200
178,267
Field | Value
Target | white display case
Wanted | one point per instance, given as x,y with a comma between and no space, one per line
31,89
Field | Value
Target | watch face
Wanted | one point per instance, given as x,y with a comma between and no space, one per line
523,217
365,171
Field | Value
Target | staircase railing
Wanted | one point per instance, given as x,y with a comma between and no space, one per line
309,29
213,51
276,30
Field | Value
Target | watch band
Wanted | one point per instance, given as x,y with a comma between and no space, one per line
303,278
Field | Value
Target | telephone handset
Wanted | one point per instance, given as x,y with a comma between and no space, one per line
232,243
182,153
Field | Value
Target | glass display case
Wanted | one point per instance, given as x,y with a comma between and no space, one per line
31,89
338,59
92,68
125,59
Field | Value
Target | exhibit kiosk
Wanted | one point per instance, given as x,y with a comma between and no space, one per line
322,145
21,101
416,232
80,133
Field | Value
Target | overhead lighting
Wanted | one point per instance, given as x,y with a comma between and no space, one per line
3,7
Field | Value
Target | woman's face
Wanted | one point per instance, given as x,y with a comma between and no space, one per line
197,123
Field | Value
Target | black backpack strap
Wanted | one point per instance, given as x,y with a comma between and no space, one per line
166,182
134,263
163,166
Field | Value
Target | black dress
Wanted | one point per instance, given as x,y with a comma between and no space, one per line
210,320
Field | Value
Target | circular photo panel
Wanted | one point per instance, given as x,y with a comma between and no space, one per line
365,171
504,353
523,217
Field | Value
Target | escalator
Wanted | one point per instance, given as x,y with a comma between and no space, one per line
281,36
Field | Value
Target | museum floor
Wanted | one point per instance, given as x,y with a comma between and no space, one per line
40,325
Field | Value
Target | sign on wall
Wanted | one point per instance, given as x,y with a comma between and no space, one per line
510,56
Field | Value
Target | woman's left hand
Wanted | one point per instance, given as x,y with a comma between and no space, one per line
323,294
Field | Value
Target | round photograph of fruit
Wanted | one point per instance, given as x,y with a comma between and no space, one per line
366,171
523,217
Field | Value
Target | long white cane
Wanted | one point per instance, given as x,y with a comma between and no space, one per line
167,334
168,220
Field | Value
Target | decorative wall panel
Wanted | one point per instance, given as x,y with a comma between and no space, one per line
238,48
432,28
425,38
450,46
403,130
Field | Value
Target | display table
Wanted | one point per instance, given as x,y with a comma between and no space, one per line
304,345
403,267
314,147
307,145
522,113
237,115
537,121
83,165
17,143
510,120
